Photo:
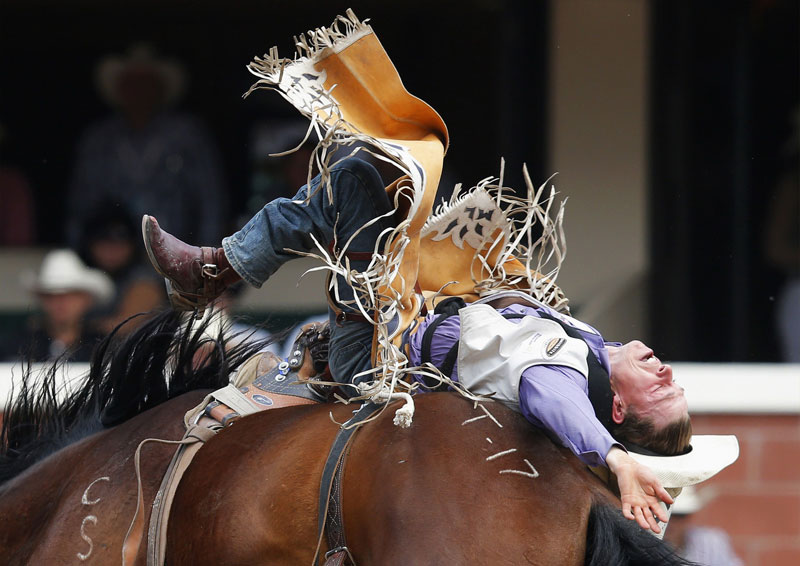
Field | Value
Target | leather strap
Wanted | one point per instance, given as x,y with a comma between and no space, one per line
133,538
336,455
211,274
281,379
236,400
193,440
337,557
212,279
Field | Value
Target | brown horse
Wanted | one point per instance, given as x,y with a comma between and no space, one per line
465,484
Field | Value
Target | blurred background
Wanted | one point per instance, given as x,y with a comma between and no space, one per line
672,127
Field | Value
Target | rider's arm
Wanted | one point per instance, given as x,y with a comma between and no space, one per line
555,398
552,397
640,490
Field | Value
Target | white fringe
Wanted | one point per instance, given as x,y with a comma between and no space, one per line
297,81
544,254
303,86
520,216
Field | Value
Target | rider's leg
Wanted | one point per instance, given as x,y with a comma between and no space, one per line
260,247
257,250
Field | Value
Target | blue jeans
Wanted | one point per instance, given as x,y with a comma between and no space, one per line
257,250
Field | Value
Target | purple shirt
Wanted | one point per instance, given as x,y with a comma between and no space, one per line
552,397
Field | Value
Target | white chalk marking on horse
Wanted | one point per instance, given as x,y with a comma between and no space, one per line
503,453
489,440
85,498
532,474
472,420
490,415
88,519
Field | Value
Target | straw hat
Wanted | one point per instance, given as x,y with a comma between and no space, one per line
139,57
63,271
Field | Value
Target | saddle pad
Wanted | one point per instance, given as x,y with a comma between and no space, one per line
277,385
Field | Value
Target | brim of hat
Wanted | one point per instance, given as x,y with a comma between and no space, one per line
710,454
98,286
689,501
111,69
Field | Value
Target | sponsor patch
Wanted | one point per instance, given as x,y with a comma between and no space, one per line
553,346
262,400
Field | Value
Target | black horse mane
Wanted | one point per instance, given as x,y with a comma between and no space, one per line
613,539
162,359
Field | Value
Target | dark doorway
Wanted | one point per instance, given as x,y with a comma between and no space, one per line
724,90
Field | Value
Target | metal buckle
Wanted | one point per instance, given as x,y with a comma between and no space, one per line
340,549
210,270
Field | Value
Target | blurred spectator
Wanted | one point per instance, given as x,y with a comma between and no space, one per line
66,290
111,241
706,546
276,176
146,156
17,223
783,246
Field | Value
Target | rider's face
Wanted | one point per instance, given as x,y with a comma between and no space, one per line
640,381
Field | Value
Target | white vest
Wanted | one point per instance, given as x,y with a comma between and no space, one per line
493,351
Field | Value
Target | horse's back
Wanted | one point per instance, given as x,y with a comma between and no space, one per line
458,486
465,486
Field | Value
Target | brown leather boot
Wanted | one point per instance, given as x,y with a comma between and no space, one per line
195,275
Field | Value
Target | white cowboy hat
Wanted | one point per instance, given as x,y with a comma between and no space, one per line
709,455
691,500
63,271
140,56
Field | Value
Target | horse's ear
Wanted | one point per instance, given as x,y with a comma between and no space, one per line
617,412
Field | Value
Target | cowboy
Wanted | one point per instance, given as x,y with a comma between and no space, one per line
66,290
552,390
147,155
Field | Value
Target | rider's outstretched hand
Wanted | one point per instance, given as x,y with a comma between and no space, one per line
640,490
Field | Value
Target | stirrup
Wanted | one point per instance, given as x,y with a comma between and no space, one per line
182,301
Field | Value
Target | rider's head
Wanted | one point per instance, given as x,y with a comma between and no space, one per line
649,408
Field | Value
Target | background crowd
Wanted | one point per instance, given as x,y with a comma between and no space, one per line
145,125
146,156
